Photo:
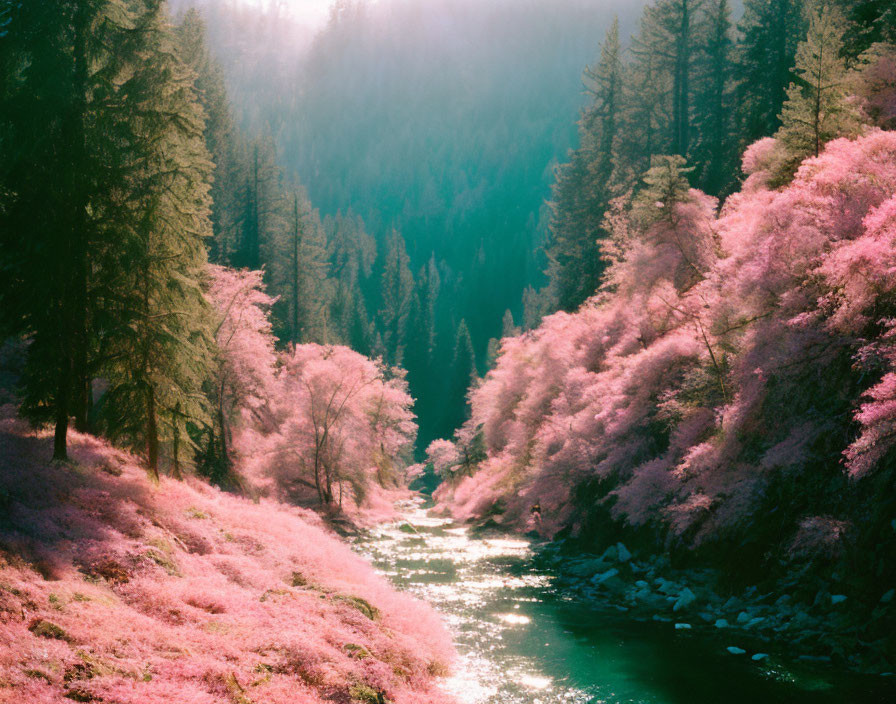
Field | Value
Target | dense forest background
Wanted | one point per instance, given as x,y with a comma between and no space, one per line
426,138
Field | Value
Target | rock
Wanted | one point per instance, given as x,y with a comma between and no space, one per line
611,554
734,650
781,600
758,657
706,616
586,568
685,599
661,619
644,585
604,576
622,553
732,604
743,617
755,621
721,623
682,626
837,599
888,597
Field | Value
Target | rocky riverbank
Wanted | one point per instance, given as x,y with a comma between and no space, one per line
810,623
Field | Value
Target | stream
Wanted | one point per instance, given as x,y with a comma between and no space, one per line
521,641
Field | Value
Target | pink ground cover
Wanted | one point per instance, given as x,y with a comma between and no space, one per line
113,589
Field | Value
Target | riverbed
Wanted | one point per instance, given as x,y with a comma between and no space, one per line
521,640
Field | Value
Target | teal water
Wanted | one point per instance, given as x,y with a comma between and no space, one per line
522,642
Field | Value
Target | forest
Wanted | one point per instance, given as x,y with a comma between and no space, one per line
612,284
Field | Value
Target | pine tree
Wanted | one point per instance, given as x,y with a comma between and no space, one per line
159,348
716,150
260,205
397,292
818,106
584,185
222,138
66,67
463,375
771,31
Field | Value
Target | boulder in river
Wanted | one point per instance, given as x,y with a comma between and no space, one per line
622,553
734,650
685,599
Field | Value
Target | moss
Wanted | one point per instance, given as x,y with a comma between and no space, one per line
362,605
166,562
46,629
55,602
356,651
39,675
298,580
78,694
367,695
196,513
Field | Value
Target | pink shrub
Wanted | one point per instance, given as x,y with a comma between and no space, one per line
684,396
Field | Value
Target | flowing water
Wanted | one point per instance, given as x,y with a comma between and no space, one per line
522,642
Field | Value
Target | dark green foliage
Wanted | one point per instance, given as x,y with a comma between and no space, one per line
105,215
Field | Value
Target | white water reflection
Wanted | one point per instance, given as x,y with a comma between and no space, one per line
467,579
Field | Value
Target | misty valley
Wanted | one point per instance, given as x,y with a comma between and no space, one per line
447,351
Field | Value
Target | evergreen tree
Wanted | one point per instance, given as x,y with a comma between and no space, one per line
260,205
159,348
716,150
771,31
584,185
397,293
463,375
818,108
221,135
66,67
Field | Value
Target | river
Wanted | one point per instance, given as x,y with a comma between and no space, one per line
521,641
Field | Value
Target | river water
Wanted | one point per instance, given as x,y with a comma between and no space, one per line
521,641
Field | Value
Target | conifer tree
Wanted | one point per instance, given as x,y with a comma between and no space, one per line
221,135
716,150
67,68
159,347
771,31
463,375
818,106
397,292
584,185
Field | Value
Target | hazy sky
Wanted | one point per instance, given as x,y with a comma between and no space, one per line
308,11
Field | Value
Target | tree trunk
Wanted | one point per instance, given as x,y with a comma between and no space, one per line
60,437
295,269
152,434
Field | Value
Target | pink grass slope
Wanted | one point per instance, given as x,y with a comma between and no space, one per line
115,590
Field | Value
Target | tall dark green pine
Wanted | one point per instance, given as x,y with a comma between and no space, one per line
463,375
259,205
770,31
159,348
66,66
584,186
397,294
716,152
221,135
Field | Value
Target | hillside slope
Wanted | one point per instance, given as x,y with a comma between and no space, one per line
115,590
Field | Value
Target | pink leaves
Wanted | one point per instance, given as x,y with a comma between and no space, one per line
717,353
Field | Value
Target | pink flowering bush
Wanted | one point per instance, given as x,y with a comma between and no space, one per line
734,378
341,425
316,424
113,589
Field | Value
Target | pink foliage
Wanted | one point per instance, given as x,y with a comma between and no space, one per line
113,589
342,424
720,352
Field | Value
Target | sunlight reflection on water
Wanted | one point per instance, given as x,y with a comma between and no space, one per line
469,581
